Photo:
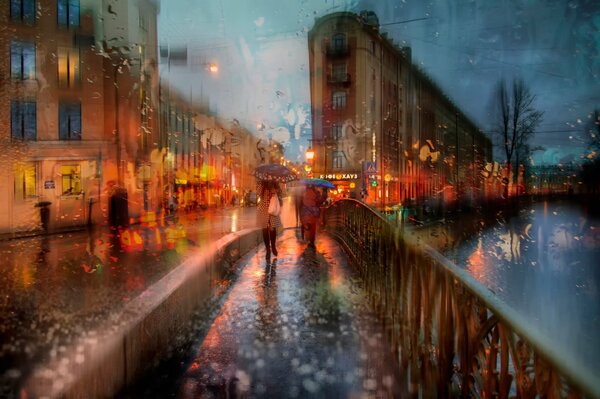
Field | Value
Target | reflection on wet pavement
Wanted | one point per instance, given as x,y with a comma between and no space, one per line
297,326
59,287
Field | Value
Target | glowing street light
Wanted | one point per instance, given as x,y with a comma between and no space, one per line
310,154
214,68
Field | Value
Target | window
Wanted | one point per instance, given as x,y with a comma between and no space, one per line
71,179
339,41
68,12
338,159
23,120
336,131
69,121
25,180
339,100
142,22
68,67
23,11
339,72
373,47
22,60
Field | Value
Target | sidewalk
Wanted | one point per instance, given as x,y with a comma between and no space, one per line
61,286
296,326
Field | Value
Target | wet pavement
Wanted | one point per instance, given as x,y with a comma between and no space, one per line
299,325
56,288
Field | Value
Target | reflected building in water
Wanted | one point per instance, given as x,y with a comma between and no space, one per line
77,109
381,127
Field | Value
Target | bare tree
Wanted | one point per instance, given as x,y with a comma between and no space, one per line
516,121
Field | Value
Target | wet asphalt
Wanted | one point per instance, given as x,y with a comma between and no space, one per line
294,326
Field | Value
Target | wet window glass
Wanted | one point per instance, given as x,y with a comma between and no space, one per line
68,67
25,180
68,12
22,60
23,120
69,121
135,135
71,179
22,11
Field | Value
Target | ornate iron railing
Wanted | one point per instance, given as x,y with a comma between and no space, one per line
454,338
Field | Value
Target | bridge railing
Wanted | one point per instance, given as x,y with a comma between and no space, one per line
454,337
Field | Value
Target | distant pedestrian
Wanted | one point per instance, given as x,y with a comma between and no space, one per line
298,194
268,223
311,210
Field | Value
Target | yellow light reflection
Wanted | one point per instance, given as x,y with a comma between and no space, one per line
234,222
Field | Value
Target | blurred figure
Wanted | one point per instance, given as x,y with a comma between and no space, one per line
268,223
311,210
298,194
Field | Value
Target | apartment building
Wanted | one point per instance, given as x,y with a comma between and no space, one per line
381,127
58,101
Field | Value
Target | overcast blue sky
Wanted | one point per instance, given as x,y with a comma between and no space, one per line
466,46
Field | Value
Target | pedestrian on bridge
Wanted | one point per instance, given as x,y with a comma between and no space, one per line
311,211
269,223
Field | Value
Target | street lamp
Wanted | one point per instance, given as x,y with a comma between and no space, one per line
310,154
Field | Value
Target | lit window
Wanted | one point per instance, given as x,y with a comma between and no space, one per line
71,179
69,121
23,120
68,12
339,100
23,11
68,67
22,60
25,180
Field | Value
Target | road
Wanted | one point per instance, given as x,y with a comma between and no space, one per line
61,286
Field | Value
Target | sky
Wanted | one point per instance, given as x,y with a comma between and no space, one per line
466,46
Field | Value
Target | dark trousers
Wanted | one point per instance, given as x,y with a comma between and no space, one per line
311,228
269,236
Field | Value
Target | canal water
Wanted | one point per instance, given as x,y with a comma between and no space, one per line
544,262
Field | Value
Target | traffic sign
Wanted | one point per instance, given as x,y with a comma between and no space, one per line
371,168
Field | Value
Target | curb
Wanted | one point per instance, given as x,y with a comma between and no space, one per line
100,366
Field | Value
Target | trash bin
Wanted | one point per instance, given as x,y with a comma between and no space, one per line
44,213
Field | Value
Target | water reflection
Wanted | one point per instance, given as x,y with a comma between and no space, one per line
543,263
58,287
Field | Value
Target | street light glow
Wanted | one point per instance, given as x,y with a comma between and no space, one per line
310,154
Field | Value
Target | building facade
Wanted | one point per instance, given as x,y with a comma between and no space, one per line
64,112
208,158
382,130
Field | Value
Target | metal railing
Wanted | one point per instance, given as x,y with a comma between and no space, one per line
454,337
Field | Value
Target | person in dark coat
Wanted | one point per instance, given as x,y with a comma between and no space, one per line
311,210
268,223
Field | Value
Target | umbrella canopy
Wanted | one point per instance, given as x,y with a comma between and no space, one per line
318,182
274,172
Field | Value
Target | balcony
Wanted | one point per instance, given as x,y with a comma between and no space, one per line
338,51
340,78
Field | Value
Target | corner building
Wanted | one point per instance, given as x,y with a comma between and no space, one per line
382,130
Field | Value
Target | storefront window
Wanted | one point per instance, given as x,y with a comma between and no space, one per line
25,181
71,179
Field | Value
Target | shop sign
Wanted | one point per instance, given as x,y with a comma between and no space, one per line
49,184
340,176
